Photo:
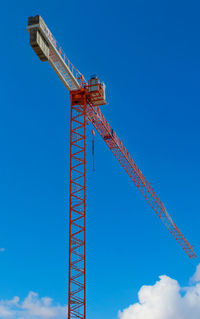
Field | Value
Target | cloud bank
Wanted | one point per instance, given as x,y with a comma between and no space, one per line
166,299
32,307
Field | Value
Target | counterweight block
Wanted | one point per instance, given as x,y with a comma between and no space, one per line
39,45
37,40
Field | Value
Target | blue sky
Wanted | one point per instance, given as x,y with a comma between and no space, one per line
147,53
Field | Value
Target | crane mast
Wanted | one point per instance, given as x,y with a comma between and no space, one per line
86,97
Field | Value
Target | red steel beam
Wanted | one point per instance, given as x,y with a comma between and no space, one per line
77,209
98,120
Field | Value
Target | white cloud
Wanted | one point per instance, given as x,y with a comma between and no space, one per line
2,250
32,307
7,307
196,276
166,300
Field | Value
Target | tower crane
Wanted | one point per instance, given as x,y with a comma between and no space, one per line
86,98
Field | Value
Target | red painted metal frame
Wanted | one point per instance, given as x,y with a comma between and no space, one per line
77,218
111,139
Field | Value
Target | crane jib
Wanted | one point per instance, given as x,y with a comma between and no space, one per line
116,146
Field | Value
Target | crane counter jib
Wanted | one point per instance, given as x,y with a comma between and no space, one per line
47,49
